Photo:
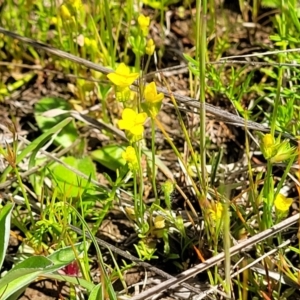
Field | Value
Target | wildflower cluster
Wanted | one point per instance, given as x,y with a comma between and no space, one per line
133,122
134,116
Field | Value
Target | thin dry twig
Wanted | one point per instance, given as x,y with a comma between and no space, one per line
218,258
253,265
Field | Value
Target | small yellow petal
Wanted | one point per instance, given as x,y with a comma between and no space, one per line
282,203
159,222
115,78
268,140
151,95
137,130
122,76
150,89
143,21
124,125
129,114
150,47
122,69
64,12
131,78
141,118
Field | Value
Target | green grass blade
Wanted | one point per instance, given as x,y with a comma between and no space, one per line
5,217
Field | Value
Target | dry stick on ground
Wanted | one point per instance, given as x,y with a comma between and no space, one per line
216,111
218,258
254,265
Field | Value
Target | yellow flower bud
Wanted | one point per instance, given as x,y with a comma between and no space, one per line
76,4
268,145
129,155
87,42
64,12
159,222
268,140
150,47
144,23
54,21
216,211
94,45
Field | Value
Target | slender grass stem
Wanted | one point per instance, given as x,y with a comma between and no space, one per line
227,261
282,28
268,197
109,32
153,160
188,141
201,44
139,204
27,203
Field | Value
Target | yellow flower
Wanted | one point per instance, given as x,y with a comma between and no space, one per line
87,42
150,47
150,93
122,77
153,100
144,23
130,156
64,12
268,140
268,144
54,21
277,151
94,45
216,211
282,204
219,210
76,4
132,121
159,222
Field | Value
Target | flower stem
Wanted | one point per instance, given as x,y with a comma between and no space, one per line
153,161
